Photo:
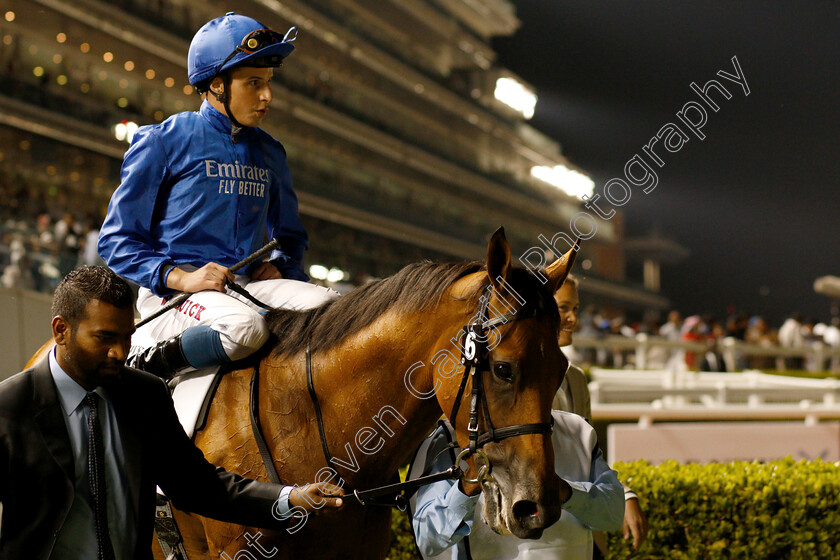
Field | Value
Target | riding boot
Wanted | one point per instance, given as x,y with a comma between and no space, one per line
165,359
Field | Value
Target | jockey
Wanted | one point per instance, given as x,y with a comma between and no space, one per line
198,193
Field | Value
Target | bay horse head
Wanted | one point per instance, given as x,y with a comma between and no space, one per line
504,425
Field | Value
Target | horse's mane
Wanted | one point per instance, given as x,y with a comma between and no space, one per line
416,287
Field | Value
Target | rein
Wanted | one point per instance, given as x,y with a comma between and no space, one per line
392,495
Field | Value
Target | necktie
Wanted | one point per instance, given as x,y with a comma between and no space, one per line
96,479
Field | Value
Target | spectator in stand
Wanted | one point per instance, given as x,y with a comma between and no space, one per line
811,338
736,326
65,228
88,254
44,233
759,334
657,356
671,331
712,358
67,239
618,357
692,331
588,329
790,336
831,338
19,273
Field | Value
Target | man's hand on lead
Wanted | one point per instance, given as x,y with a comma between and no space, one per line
313,497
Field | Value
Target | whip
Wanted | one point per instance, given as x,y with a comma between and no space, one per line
181,298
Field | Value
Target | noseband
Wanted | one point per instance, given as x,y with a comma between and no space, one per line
475,357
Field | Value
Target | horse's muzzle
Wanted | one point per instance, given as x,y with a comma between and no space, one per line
528,519
531,511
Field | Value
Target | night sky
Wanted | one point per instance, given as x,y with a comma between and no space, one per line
755,201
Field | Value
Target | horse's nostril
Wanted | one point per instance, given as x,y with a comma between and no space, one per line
525,509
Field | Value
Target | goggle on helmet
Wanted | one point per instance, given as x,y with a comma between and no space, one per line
235,40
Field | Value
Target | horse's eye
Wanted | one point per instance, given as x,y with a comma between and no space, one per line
503,371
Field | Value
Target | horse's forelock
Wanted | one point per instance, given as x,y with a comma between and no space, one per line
539,301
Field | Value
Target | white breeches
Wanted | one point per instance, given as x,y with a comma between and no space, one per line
239,322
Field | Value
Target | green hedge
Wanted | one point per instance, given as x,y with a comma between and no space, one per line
782,510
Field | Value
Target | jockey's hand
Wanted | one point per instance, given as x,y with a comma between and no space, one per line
266,271
313,497
211,276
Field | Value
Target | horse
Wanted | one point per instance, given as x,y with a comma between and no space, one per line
385,365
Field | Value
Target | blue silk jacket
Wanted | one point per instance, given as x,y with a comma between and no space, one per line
191,193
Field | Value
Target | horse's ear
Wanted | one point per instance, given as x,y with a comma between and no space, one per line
498,259
559,269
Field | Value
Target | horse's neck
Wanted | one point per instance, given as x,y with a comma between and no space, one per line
370,415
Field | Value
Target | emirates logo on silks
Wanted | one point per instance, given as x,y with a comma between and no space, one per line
235,178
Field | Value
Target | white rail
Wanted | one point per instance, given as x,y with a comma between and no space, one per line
638,351
648,396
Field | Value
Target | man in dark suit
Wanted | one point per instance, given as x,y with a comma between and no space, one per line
85,440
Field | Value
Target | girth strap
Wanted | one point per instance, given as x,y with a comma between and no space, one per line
257,429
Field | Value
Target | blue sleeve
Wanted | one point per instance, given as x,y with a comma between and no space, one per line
444,514
599,503
125,240
284,224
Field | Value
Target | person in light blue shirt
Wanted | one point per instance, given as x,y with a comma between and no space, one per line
447,523
573,396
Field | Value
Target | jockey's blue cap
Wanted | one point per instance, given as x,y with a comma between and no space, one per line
212,46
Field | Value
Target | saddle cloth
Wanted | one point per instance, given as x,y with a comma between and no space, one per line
189,395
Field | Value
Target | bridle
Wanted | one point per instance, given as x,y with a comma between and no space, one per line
475,357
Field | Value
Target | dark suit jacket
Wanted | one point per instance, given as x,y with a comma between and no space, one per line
36,464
